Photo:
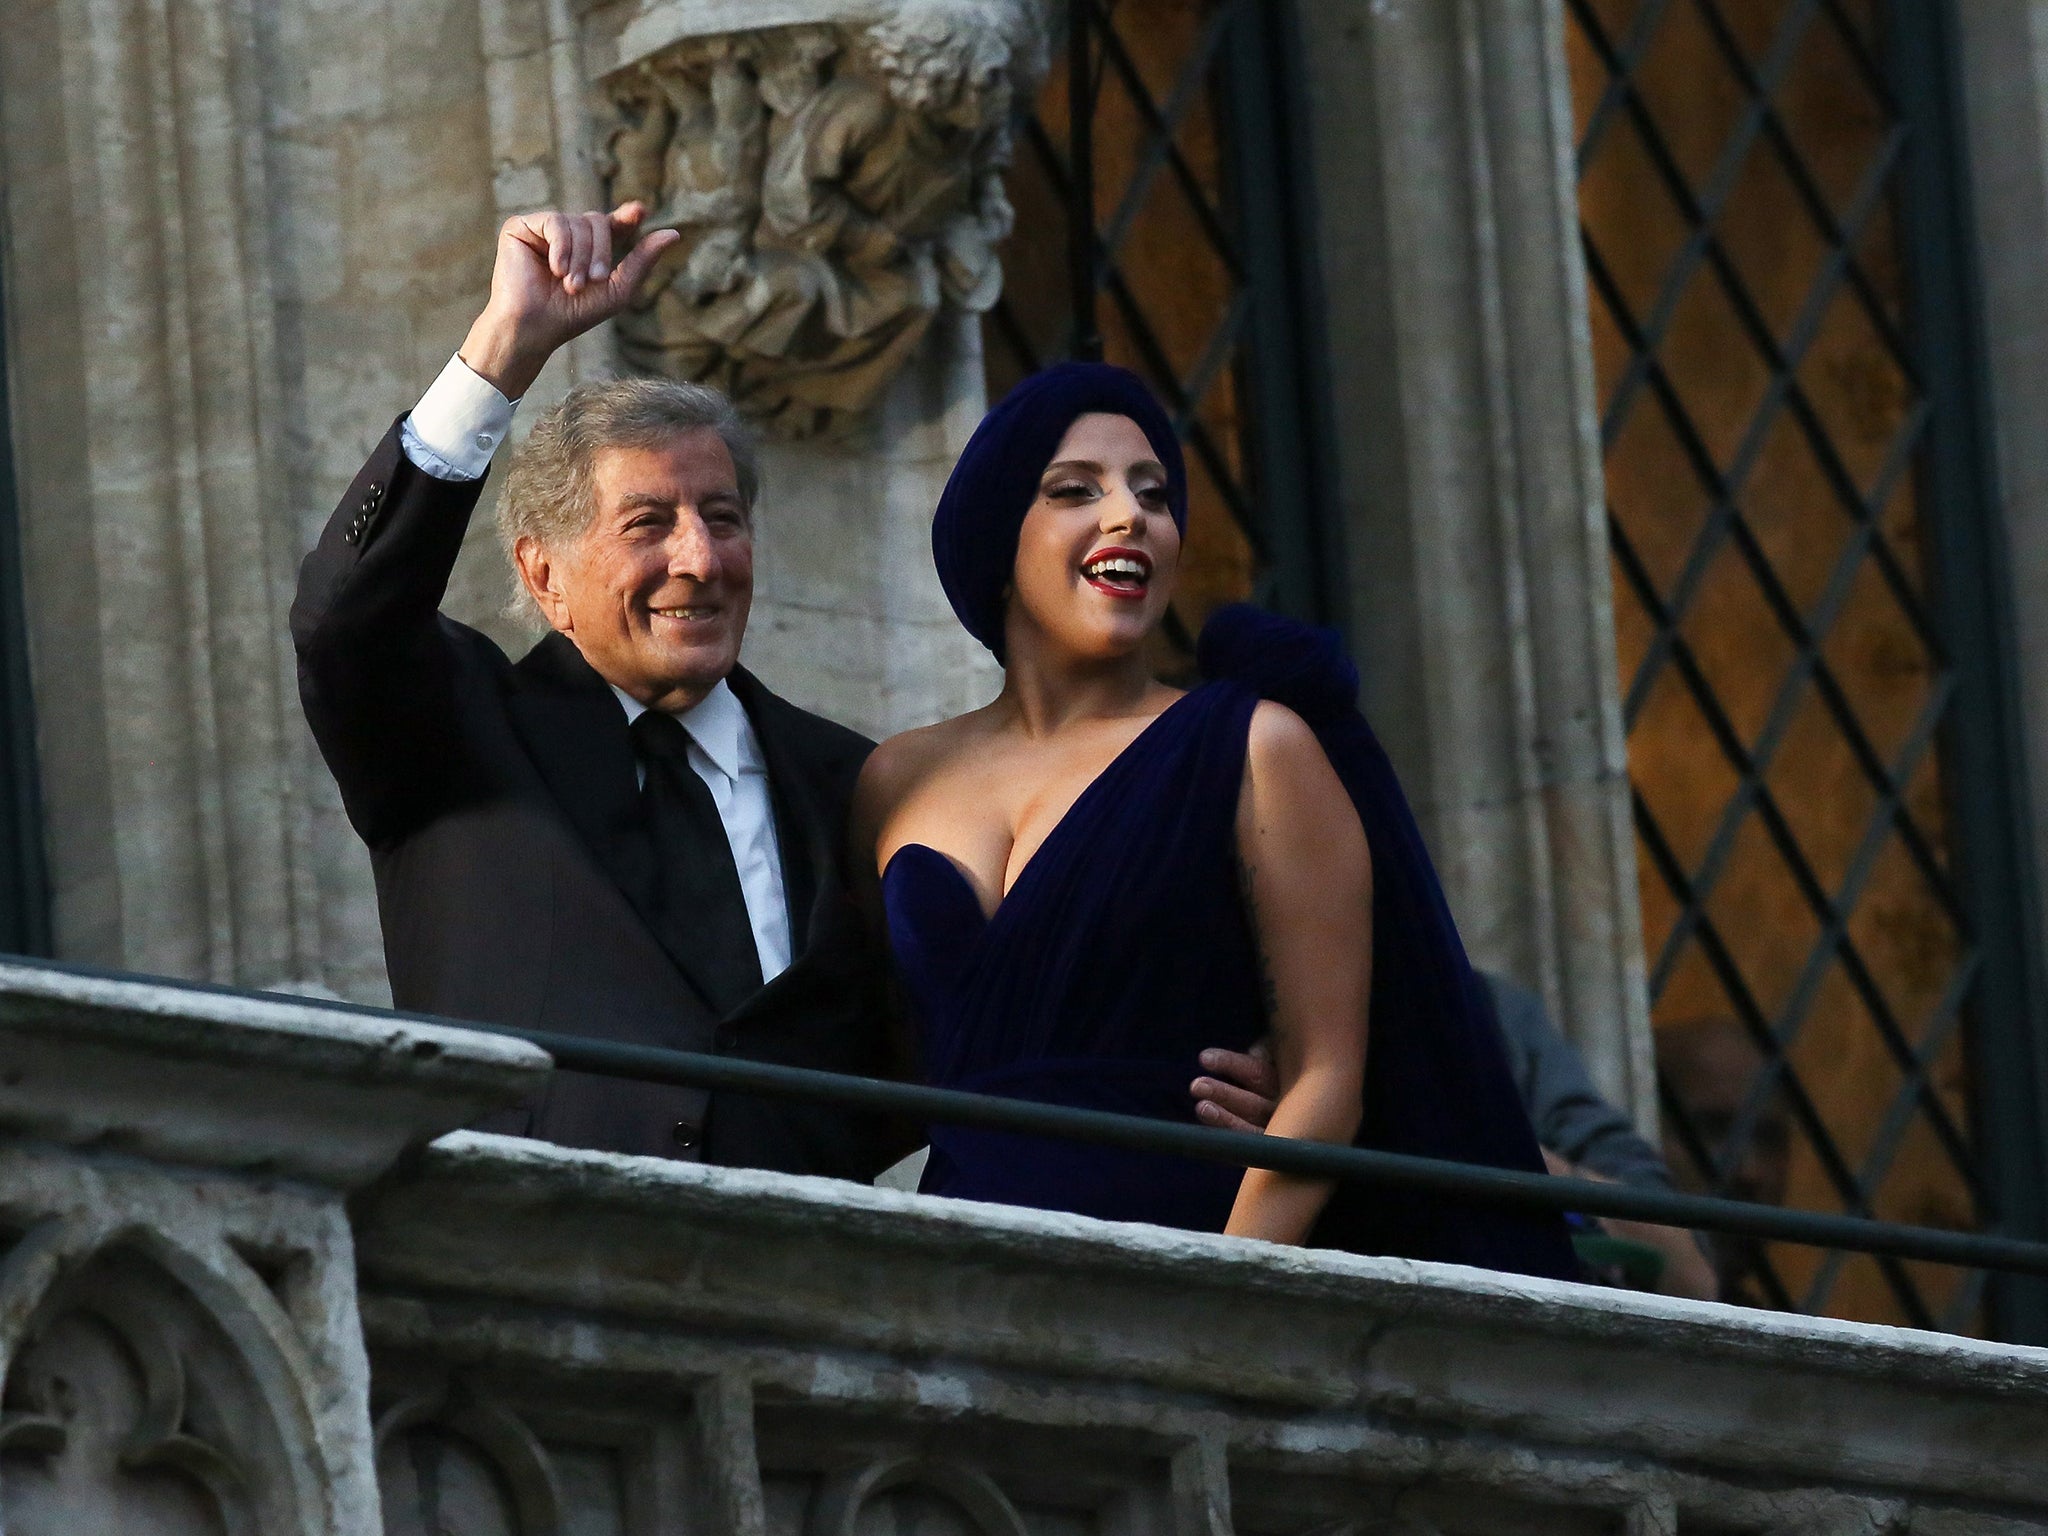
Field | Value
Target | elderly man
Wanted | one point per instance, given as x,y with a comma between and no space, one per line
623,834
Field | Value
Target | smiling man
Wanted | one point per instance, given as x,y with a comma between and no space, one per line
623,834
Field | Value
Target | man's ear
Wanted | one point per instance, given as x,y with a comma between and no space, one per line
542,575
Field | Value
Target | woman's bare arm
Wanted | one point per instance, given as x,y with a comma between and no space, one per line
1308,885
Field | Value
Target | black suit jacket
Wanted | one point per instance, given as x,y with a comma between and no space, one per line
502,813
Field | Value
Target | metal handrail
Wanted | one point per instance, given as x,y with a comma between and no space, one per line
1397,1170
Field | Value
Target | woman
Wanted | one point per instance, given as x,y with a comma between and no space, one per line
1096,876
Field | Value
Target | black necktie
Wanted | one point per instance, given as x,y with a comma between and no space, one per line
698,899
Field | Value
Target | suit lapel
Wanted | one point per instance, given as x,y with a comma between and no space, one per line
575,732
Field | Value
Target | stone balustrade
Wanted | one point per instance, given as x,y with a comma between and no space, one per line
253,1285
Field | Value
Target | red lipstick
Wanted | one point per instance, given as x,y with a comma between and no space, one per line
1129,574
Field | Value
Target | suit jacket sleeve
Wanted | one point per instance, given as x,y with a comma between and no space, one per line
377,663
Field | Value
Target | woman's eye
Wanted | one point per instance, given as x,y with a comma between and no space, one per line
1152,497
1070,490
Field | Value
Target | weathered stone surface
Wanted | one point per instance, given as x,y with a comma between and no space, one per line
272,1085
237,234
181,1353
849,618
2003,51
1008,1364
200,1333
180,1348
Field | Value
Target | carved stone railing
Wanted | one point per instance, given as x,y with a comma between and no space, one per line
178,1318
214,1223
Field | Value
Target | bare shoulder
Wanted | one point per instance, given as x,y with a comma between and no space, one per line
1281,746
909,758
1292,798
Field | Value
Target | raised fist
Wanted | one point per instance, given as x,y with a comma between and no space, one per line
556,276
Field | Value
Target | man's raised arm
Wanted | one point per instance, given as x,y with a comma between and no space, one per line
375,661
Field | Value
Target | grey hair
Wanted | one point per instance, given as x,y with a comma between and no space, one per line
550,494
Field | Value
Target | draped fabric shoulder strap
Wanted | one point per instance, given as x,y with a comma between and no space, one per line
1437,1079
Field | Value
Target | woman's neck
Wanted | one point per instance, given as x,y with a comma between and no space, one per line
1045,693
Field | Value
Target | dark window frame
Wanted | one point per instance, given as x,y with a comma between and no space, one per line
1984,745
24,882
1291,447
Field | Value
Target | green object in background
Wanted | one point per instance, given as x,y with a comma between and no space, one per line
1618,1261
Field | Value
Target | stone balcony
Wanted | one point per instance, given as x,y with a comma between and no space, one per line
253,1284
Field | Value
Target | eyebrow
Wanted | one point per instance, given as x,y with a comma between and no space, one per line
635,499
1097,469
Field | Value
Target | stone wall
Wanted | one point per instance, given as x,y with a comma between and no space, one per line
241,238
244,1289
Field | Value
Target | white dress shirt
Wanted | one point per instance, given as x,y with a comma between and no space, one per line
458,424
451,434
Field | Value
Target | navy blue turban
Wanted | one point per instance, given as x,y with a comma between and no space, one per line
974,531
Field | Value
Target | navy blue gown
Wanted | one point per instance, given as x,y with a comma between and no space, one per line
1124,948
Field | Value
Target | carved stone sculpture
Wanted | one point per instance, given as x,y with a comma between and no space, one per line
834,184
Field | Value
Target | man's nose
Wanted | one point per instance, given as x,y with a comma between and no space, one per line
691,549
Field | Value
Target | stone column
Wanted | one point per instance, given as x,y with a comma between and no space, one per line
157,562
849,618
2004,67
1469,467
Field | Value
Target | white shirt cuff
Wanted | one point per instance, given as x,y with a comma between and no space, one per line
458,424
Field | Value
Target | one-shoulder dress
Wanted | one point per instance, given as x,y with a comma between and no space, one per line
1124,948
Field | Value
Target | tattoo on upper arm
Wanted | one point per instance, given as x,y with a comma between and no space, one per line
1269,993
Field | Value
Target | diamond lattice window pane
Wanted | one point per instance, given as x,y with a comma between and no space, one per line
1785,692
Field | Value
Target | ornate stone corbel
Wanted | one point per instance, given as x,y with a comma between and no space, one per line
836,182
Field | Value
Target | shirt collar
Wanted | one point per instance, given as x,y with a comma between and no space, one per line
717,723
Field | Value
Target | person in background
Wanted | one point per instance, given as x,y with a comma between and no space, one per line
1709,1065
1584,1136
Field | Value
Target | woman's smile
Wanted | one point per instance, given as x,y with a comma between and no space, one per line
1118,571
